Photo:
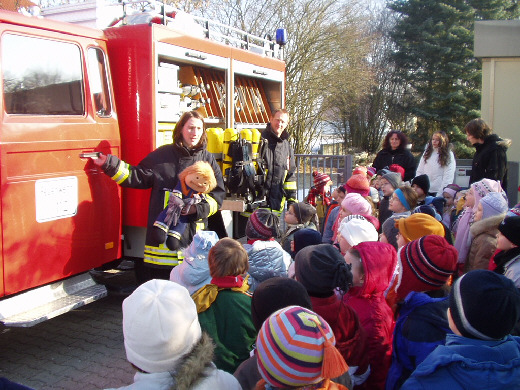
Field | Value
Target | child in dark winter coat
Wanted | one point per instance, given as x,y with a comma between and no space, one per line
508,259
321,269
481,354
266,257
373,264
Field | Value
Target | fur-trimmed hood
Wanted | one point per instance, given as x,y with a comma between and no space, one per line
192,367
487,225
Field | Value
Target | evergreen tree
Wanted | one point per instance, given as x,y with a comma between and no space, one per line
434,50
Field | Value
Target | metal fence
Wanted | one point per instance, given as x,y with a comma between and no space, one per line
339,168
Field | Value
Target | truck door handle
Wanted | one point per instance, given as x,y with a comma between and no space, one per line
196,56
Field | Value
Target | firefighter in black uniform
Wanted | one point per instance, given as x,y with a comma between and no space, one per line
159,171
278,157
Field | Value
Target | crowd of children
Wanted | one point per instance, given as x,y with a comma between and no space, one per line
387,287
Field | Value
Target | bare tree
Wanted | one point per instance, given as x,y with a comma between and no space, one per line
324,41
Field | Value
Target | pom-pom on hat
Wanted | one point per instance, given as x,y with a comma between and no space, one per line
510,227
394,179
357,230
321,269
419,225
423,182
358,184
320,180
426,264
360,170
397,169
160,325
356,204
484,305
295,347
263,224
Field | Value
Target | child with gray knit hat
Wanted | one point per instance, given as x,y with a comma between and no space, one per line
164,341
481,354
389,183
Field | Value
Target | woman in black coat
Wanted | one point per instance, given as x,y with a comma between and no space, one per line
395,152
490,159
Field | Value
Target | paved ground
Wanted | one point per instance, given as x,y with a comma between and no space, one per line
82,349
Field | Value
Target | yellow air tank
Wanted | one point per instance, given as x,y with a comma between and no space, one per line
230,135
255,141
213,144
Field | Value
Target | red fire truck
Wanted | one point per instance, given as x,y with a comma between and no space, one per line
68,91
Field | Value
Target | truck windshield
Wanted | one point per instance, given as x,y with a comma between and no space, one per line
45,78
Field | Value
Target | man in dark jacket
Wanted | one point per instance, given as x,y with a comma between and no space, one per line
279,159
490,159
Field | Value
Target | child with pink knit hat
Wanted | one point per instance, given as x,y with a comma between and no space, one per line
353,203
461,229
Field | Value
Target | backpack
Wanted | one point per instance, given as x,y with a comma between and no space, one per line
243,179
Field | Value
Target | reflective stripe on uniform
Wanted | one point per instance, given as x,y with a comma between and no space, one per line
213,205
161,255
123,171
289,185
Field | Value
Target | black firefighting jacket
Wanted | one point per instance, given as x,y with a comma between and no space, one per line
159,171
280,179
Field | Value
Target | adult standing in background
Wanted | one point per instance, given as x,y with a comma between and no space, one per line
490,159
159,171
280,182
438,163
395,151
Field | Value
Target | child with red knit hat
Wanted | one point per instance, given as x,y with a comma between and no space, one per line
319,194
372,265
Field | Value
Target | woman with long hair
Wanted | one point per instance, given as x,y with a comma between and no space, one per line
438,163
395,151
159,171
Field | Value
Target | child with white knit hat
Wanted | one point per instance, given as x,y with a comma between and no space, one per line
164,341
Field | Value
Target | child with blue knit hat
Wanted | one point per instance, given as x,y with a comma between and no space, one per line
481,354
193,272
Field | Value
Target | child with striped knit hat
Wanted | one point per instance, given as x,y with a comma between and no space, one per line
295,349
